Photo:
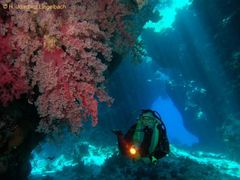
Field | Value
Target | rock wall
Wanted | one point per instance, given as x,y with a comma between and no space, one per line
203,53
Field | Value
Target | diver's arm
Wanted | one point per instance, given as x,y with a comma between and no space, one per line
130,133
163,144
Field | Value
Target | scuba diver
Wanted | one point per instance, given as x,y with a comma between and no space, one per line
146,140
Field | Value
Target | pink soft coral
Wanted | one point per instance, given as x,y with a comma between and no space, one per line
68,80
12,80
64,53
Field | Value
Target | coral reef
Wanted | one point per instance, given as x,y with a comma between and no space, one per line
118,167
64,54
168,168
59,56
54,56
12,80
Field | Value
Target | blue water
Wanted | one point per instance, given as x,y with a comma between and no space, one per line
143,86
177,132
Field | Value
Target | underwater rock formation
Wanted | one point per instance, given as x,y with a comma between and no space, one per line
203,52
18,138
61,55
225,30
56,60
168,168
118,167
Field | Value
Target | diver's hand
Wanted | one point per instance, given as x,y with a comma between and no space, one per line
150,159
153,160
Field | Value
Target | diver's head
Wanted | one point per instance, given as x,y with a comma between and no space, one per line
148,118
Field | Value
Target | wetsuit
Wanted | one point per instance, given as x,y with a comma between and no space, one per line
161,149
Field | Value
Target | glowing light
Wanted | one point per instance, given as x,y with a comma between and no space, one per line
168,15
133,151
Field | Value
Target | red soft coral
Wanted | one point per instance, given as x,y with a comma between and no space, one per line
12,82
64,53
69,88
